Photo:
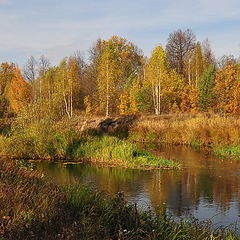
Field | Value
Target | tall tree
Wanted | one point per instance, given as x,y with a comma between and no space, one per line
89,84
227,89
43,67
189,99
30,70
118,65
195,65
85,86
172,88
19,92
155,72
67,84
107,76
49,83
226,60
30,73
6,76
206,86
208,54
198,65
178,45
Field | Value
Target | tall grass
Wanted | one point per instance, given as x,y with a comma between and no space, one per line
46,142
120,152
195,130
33,208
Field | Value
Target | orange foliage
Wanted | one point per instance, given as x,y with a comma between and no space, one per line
189,100
227,89
18,93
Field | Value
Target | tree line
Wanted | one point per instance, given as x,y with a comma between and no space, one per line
119,79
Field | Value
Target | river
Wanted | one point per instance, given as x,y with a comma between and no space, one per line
205,188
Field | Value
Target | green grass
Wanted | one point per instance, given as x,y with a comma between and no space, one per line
44,142
196,144
112,150
227,152
33,208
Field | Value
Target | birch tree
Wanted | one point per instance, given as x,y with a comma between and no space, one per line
107,77
64,87
155,74
119,64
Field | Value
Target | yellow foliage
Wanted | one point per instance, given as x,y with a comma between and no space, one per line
88,104
134,104
124,104
227,89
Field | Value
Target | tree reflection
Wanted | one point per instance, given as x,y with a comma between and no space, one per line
204,182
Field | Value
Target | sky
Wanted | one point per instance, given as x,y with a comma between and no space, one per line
58,28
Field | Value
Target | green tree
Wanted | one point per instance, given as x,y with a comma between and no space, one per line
206,89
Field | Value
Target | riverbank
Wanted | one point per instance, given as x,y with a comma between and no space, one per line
114,141
45,141
220,134
34,208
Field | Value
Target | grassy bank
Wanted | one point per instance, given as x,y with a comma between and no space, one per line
33,208
48,139
222,133
43,141
227,152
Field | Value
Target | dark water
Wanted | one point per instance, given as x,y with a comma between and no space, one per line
206,188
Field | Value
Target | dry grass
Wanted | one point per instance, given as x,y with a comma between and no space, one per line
204,129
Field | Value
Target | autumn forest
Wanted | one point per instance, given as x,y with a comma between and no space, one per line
119,79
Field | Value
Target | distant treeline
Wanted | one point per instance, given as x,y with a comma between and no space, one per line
119,79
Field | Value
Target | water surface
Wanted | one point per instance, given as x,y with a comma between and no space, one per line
206,187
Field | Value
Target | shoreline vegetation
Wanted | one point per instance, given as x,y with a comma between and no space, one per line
106,150
220,135
47,142
48,139
34,208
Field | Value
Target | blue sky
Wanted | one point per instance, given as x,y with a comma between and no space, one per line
58,28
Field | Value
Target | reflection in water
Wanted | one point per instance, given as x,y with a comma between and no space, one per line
205,188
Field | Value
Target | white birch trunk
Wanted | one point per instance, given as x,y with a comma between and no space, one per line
65,98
